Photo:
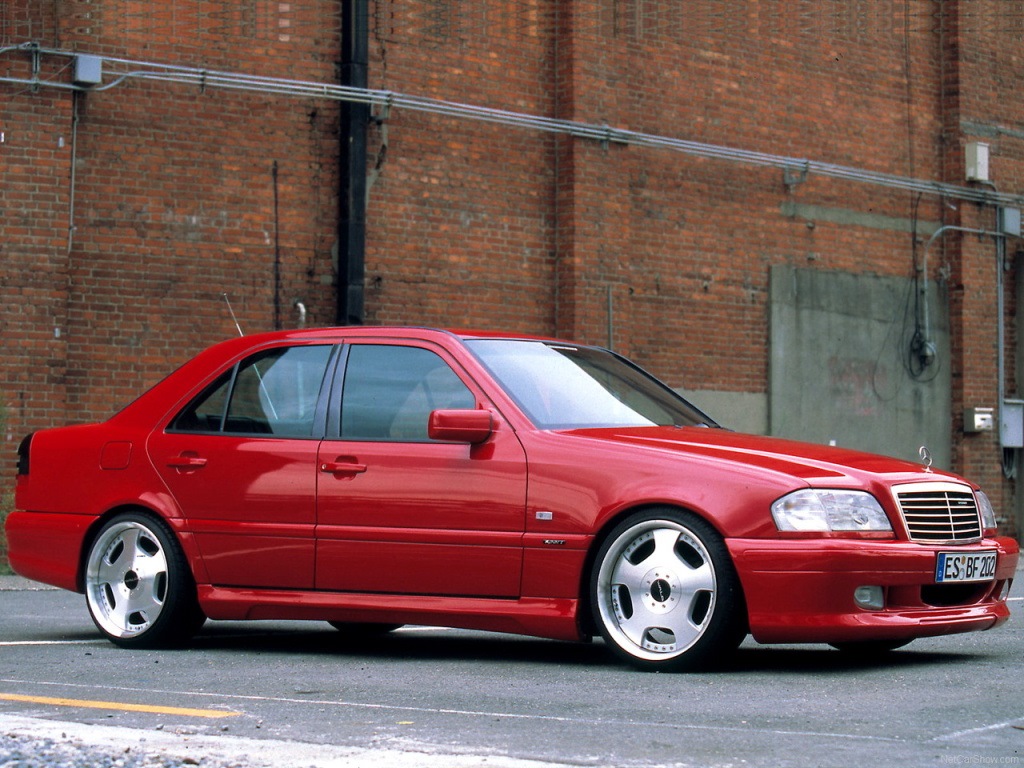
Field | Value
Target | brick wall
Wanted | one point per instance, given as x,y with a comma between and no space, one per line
460,220
663,254
979,104
180,195
35,164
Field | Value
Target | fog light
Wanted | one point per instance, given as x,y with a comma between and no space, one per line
1004,591
869,598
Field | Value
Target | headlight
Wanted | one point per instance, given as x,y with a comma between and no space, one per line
988,513
829,510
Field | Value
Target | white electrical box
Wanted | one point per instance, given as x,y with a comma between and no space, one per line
976,161
1009,221
1011,424
979,419
88,70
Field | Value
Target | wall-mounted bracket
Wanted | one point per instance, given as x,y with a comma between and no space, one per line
383,114
36,65
791,176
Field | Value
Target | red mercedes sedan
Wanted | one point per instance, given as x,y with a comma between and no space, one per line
374,477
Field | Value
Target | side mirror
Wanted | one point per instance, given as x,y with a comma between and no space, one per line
460,426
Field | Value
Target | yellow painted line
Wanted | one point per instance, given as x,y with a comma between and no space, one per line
122,706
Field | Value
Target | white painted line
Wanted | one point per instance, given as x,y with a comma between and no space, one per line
10,643
669,726
1017,721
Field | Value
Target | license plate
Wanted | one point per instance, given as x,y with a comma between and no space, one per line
964,567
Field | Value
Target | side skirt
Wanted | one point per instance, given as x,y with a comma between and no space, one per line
553,618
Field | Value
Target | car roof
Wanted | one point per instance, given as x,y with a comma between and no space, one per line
168,393
339,333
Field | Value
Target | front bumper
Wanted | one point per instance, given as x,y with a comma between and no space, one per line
800,591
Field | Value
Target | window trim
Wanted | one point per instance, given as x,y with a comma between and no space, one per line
320,418
333,431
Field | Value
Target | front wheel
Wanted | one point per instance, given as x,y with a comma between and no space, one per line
138,585
665,594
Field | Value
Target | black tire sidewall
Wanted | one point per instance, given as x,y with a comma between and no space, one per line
180,615
727,625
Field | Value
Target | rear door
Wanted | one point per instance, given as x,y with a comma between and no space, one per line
399,513
240,460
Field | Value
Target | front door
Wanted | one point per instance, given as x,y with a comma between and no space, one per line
399,513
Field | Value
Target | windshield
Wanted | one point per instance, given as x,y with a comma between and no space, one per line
564,386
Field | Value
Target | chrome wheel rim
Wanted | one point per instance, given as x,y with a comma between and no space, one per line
126,579
656,590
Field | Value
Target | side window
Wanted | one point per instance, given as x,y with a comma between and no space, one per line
206,412
390,391
272,393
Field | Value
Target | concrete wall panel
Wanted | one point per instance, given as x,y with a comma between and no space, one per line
841,367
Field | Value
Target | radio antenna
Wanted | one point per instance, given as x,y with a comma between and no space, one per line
259,376
232,312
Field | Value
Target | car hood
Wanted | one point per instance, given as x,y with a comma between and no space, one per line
812,463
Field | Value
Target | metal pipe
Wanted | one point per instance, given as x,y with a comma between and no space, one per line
355,116
73,175
277,250
611,317
1001,331
352,93
923,287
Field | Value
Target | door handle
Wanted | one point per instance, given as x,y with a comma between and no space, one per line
342,467
185,463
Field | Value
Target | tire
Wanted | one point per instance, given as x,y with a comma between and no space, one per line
138,585
664,592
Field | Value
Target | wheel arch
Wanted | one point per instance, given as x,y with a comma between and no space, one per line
184,539
586,608
144,595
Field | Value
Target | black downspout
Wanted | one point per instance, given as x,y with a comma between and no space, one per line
352,165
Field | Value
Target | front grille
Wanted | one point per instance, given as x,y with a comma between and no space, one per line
939,513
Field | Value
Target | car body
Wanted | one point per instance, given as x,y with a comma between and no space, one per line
374,477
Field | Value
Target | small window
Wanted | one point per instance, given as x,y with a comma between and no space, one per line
272,393
206,412
390,391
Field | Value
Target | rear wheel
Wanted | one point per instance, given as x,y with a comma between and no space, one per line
665,593
138,585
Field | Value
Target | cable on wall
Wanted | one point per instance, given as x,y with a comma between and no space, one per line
156,72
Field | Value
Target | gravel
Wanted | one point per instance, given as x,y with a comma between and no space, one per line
28,742
23,752
30,752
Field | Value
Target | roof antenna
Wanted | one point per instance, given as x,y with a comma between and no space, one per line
232,312
259,376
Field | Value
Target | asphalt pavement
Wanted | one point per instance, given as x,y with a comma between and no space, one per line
292,696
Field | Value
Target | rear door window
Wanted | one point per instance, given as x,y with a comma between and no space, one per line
275,393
